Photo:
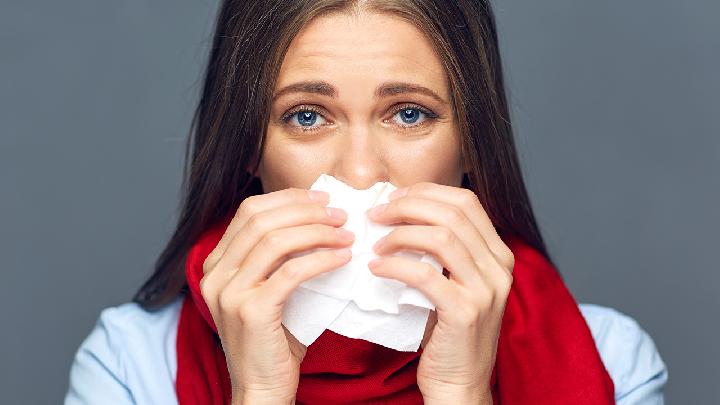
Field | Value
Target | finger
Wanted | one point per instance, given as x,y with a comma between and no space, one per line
438,240
299,269
417,210
255,204
467,201
423,276
455,305
272,250
219,272
286,216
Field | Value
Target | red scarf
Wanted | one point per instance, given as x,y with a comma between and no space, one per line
546,353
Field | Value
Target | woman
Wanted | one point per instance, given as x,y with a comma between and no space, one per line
409,92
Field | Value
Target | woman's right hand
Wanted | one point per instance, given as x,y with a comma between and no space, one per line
248,277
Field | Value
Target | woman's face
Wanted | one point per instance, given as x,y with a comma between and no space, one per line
364,99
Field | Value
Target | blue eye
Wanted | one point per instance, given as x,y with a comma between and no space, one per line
306,117
410,115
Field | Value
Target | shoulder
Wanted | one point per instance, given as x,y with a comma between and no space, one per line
130,350
628,353
128,356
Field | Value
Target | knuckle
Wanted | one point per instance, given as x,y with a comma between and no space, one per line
227,302
454,215
272,240
468,198
249,206
425,274
205,287
254,223
291,269
443,236
506,281
509,261
211,260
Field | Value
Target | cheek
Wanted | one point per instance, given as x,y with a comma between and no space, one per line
287,163
435,159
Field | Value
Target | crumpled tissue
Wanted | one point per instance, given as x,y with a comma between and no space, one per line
350,300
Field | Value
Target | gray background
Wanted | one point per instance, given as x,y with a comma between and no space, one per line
615,107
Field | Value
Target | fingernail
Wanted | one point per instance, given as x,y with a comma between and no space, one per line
398,193
377,209
345,234
374,263
336,212
318,195
379,243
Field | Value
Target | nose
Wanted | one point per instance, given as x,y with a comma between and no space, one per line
360,161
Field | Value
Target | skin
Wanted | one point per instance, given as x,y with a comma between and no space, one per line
361,140
356,138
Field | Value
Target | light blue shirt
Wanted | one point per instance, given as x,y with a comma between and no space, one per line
129,357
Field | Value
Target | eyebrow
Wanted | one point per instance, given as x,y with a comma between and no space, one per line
384,90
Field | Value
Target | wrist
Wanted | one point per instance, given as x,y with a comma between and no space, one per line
478,399
260,398
459,396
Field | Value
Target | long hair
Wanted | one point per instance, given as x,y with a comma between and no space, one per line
227,130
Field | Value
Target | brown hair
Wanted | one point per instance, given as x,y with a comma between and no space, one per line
249,44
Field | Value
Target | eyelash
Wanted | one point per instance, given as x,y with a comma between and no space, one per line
429,116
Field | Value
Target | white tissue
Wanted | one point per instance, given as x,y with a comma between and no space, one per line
351,300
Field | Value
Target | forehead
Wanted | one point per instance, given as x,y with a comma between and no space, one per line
372,47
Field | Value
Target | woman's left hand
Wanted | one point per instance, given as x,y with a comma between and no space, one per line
460,342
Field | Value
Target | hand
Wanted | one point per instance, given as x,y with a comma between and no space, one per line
246,290
460,344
